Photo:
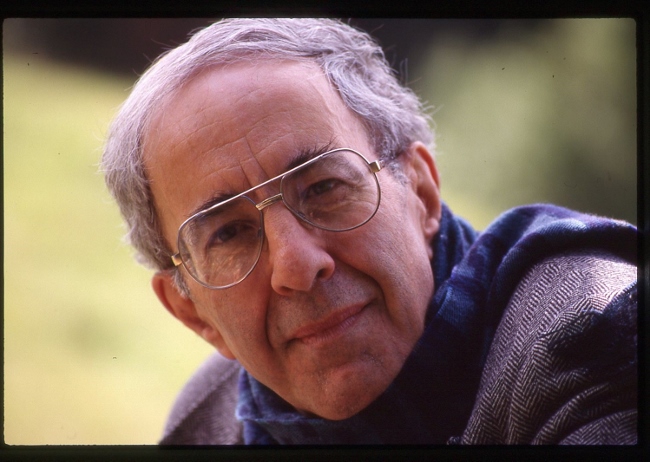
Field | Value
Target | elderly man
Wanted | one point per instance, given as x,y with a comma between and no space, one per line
283,185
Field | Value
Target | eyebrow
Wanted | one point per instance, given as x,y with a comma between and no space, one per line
308,154
297,160
211,202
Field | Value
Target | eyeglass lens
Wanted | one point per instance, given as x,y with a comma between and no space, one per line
337,192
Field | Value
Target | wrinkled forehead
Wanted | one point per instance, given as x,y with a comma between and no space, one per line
233,127
245,79
257,90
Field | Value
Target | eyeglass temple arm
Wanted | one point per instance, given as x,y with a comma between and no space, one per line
375,166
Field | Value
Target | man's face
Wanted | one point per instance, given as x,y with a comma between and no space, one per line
326,319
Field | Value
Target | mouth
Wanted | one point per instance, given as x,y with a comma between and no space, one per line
332,326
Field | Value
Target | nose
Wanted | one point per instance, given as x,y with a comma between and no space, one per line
297,255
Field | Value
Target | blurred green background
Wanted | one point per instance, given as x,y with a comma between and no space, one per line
525,111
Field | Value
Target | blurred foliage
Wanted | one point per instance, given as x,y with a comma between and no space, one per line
538,114
543,113
122,46
91,357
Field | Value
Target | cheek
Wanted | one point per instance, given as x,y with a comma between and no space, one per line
238,314
402,265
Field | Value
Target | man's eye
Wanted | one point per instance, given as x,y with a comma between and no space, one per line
226,233
229,233
322,187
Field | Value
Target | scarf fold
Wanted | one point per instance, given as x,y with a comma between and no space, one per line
432,397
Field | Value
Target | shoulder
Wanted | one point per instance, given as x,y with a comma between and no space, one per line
562,366
204,411
567,294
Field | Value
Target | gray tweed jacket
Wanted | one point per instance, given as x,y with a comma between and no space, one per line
544,381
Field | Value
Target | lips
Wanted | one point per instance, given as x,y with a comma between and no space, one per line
331,326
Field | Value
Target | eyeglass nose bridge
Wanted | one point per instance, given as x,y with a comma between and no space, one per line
269,201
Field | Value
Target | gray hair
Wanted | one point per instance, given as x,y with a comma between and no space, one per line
353,63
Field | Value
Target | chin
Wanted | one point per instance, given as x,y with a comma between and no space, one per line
356,393
340,411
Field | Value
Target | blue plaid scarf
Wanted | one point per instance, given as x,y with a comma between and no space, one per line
432,397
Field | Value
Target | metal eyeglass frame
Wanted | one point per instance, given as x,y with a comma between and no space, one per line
374,166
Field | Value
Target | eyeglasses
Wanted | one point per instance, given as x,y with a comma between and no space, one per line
334,191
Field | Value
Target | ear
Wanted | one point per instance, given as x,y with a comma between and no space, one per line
185,310
423,176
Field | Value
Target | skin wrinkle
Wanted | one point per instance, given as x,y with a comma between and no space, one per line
195,116
159,120
263,148
249,173
304,274
194,119
252,178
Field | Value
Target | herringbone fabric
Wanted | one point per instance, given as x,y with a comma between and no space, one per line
562,366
